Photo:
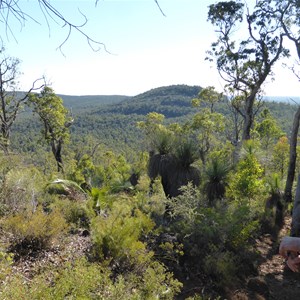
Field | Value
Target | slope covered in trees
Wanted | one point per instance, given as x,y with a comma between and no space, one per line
113,119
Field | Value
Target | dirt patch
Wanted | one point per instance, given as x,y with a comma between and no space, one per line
274,279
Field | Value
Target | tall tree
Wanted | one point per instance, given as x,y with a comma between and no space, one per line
287,13
245,64
54,116
11,100
293,156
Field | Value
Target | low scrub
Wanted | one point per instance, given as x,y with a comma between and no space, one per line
32,231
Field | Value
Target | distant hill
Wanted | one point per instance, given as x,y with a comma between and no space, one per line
112,119
282,99
171,101
89,101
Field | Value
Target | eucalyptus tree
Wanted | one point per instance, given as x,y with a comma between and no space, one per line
11,99
208,95
56,121
206,124
287,12
245,63
268,130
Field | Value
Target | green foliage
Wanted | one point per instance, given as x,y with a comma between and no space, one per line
268,129
20,189
117,235
83,280
247,181
101,200
214,238
280,156
31,231
49,107
185,152
216,173
221,266
208,95
54,117
67,188
76,214
6,261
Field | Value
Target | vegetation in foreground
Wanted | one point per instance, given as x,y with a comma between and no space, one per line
80,221
110,226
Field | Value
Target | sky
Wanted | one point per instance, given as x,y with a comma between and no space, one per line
145,49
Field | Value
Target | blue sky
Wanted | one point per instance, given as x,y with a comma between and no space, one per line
147,49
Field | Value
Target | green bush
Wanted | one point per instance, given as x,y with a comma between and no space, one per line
247,181
6,260
20,189
215,239
34,231
76,214
118,234
221,266
83,280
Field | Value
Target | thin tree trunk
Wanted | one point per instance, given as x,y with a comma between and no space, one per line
295,230
293,157
56,150
248,120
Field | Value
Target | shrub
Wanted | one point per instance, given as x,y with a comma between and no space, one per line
20,190
83,280
117,236
247,182
6,260
34,231
76,214
221,266
213,237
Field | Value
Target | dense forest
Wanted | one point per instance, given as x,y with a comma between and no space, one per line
165,195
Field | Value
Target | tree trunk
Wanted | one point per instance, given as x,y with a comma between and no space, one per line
56,150
293,157
248,119
295,230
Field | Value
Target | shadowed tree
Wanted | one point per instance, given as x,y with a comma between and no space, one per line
56,122
171,155
179,171
216,174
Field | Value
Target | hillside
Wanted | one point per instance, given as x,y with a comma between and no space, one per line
171,101
90,101
112,119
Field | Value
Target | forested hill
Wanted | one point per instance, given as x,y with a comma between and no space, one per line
90,101
171,101
112,119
